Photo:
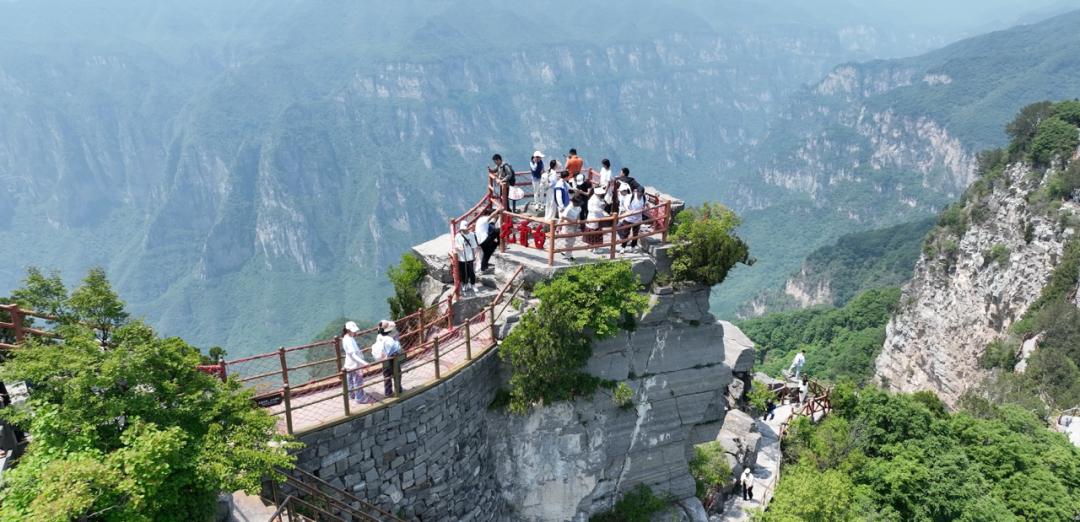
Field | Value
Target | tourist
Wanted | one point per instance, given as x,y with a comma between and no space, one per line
596,212
551,178
465,246
536,168
770,410
487,235
504,176
605,174
804,389
569,213
624,178
797,364
747,484
354,364
631,205
574,163
388,348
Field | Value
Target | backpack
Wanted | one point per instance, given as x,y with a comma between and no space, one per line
510,178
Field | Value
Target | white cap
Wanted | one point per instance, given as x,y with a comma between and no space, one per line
351,326
387,326
538,154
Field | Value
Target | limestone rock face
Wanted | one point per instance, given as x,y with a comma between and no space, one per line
947,316
570,460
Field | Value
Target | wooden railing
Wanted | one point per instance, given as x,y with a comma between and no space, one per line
18,328
654,220
817,401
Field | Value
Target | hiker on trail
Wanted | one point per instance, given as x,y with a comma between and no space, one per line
573,166
504,175
747,484
797,364
551,178
387,347
465,246
596,211
487,235
536,167
354,364
804,389
631,204
770,410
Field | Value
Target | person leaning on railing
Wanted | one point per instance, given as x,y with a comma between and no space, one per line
387,347
354,364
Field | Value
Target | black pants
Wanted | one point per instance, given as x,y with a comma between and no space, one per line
466,273
388,378
748,492
630,232
488,248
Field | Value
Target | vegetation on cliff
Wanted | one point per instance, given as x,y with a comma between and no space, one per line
548,348
123,425
705,245
886,457
840,343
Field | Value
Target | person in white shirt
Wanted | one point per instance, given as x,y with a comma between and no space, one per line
536,168
631,204
596,211
354,364
547,185
568,212
797,363
465,246
387,347
605,176
488,237
747,484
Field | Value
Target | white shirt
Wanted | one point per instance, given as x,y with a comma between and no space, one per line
465,245
747,477
799,360
605,177
353,359
596,210
482,228
630,204
385,346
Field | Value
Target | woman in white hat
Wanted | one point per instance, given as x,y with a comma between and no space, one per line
387,347
596,211
354,363
536,166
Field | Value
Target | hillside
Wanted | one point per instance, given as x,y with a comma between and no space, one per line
245,172
886,142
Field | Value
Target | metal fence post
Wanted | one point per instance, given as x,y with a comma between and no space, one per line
288,408
468,342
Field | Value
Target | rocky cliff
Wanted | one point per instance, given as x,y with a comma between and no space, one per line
971,285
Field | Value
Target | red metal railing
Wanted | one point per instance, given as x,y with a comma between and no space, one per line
18,326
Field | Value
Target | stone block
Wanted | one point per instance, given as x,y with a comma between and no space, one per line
738,348
436,257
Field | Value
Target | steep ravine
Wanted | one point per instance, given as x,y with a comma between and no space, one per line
950,311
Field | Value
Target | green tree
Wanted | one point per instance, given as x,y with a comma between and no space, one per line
43,293
1023,127
96,304
406,277
709,467
131,433
547,349
705,245
1054,138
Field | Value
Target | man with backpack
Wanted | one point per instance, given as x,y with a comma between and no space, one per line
504,176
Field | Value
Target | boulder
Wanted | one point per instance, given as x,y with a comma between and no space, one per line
436,257
740,439
738,348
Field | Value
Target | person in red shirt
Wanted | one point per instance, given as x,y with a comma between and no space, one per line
574,164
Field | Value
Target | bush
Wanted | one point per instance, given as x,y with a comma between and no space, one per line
1064,182
706,247
997,254
709,467
406,277
759,396
954,220
1022,129
638,505
998,354
547,349
1054,137
623,395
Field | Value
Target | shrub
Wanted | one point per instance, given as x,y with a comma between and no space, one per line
954,220
706,247
709,468
406,277
998,354
1022,129
1054,137
1064,182
623,395
759,396
638,505
997,254
553,340
1068,111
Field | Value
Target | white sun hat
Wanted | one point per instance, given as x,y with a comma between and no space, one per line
352,327
538,154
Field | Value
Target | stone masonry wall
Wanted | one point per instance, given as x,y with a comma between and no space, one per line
426,457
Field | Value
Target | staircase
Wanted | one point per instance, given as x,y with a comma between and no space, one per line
303,497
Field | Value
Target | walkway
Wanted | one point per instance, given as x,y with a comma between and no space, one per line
766,470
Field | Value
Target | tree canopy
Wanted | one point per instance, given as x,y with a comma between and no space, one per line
705,245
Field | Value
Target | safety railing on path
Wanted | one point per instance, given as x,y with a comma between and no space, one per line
559,236
312,498
16,325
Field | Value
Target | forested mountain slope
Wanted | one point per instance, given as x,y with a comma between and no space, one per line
245,171
891,141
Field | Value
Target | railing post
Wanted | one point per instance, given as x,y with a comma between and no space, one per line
222,370
614,221
551,242
468,341
491,321
423,334
396,367
284,366
345,389
288,408
17,323
438,370
502,241
449,311
667,220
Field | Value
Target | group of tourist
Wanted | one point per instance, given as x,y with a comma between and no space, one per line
561,192
386,348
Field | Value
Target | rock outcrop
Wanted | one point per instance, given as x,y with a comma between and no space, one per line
973,293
